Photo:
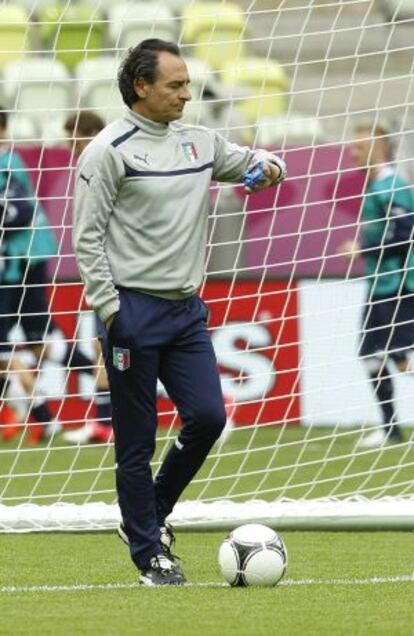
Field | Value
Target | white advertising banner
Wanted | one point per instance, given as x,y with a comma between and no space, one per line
334,385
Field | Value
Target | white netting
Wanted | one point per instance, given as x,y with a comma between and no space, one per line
285,303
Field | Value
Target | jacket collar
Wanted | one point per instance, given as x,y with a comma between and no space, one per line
147,125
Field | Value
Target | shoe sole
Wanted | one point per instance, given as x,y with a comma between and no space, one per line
144,582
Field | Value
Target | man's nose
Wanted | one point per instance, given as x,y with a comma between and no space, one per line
186,94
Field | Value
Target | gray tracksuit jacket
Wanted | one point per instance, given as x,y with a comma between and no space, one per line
141,206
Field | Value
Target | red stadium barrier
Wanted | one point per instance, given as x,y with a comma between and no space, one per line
255,333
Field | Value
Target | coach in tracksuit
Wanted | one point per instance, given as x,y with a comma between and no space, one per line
140,232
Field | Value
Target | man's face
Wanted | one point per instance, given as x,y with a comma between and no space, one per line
366,152
164,100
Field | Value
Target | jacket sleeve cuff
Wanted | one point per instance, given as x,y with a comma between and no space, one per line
281,165
108,310
264,155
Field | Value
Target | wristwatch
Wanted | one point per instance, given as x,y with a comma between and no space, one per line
277,161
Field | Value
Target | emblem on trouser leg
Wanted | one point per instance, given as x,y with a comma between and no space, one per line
121,358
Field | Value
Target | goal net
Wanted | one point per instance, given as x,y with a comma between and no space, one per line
286,304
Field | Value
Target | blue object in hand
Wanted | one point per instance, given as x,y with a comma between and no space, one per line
254,175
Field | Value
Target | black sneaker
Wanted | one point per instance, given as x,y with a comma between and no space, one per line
167,540
161,571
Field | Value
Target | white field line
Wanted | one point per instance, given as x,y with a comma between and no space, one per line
405,578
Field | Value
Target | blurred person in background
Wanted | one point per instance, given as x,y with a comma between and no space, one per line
82,128
385,244
27,244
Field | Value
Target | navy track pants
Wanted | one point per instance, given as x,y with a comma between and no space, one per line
154,338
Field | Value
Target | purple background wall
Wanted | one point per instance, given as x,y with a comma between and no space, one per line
306,220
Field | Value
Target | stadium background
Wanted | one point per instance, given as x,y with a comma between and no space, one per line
322,67
332,64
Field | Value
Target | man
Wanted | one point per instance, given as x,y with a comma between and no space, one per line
27,244
385,243
141,207
81,129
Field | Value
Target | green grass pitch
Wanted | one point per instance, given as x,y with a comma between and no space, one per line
336,584
350,583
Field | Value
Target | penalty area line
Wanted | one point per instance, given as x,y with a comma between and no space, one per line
375,580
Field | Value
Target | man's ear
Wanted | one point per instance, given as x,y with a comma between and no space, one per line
141,87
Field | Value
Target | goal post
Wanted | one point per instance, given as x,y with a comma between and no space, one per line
285,304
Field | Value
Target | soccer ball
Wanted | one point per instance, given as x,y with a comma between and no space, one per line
253,554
